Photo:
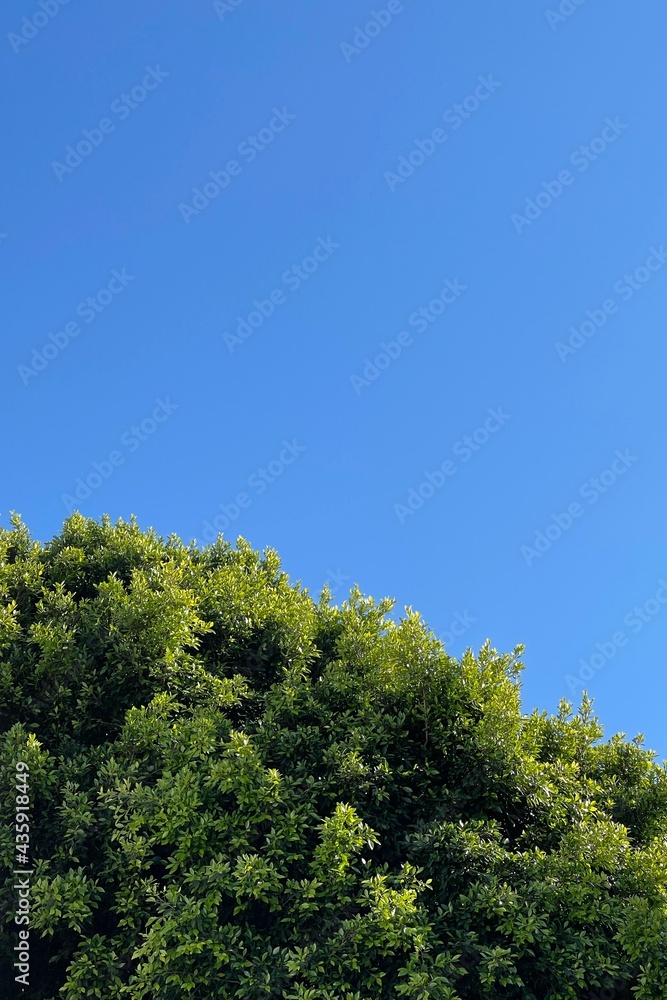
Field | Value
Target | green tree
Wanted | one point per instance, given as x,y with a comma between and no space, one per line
239,792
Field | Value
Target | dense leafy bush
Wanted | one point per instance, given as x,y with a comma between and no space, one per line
238,792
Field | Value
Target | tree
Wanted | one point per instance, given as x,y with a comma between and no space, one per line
236,791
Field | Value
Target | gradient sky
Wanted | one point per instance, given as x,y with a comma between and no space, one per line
383,288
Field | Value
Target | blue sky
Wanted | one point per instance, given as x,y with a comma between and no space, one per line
383,287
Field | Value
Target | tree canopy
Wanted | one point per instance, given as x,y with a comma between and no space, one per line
239,791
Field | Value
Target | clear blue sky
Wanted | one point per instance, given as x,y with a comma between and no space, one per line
471,185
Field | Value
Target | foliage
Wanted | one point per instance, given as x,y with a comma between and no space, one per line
240,792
